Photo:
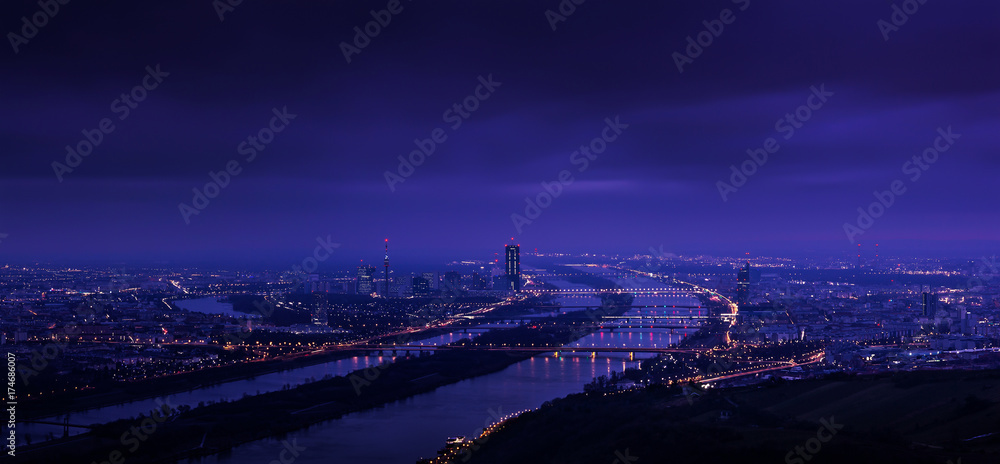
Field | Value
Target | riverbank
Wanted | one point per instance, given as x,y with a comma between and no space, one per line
170,384
218,427
920,417
177,383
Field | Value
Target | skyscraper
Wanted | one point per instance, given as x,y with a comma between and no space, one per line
421,286
366,280
930,304
432,279
387,268
514,267
452,280
319,314
743,285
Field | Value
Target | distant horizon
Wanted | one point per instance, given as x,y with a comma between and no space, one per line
345,258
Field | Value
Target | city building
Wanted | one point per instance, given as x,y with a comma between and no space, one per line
387,291
743,285
480,282
432,279
452,280
930,304
421,287
513,267
366,280
319,315
400,286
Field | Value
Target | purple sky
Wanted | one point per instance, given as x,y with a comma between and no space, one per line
655,184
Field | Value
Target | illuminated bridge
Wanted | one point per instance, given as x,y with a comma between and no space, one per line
558,351
658,291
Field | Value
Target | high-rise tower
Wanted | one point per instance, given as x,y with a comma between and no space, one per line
366,280
514,267
743,285
386,268
930,303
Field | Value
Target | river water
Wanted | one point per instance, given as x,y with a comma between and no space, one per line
406,430
209,305
227,391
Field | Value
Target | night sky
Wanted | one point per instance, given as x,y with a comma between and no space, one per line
656,183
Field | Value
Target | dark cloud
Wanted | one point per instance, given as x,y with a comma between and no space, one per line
655,184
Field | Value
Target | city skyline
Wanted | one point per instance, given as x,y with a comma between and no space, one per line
717,231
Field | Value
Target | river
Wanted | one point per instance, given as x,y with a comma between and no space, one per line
209,305
403,431
406,430
226,391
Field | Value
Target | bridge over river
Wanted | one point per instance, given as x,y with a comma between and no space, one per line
558,350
